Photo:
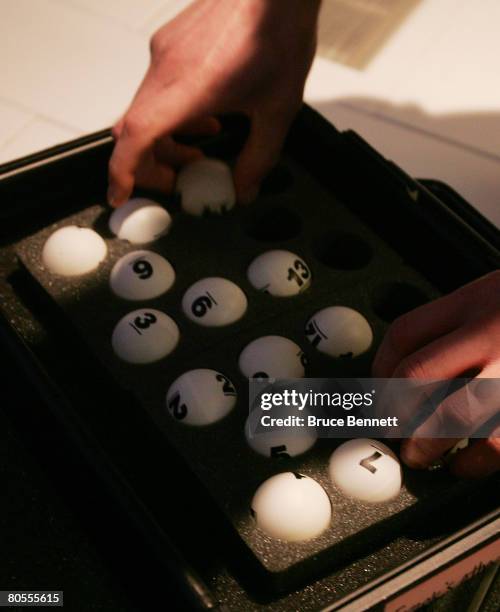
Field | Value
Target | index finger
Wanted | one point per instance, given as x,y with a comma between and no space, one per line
149,117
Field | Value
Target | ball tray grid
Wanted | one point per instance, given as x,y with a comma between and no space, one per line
305,217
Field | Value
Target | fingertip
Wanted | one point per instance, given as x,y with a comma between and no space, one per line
258,157
414,455
420,453
115,197
120,186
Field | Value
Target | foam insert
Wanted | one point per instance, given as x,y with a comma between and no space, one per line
351,266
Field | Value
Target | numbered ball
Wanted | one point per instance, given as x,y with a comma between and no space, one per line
339,331
144,336
291,507
206,185
201,397
279,273
140,221
272,357
366,470
73,250
278,442
141,275
214,302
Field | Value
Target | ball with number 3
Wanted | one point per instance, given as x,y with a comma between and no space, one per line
144,336
366,470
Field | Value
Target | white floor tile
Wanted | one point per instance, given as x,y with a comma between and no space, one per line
132,12
167,12
476,177
38,134
439,72
12,119
76,68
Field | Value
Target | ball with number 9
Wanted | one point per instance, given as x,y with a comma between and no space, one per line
141,275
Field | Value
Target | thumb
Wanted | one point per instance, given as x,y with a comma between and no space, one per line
260,154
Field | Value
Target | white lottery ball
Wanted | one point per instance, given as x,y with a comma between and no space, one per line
339,331
206,185
214,302
141,275
272,357
279,273
144,336
366,470
201,397
140,221
278,442
73,250
291,507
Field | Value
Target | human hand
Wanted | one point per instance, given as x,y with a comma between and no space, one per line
216,57
446,339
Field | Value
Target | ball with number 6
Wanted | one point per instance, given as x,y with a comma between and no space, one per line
201,397
366,470
279,273
214,302
141,275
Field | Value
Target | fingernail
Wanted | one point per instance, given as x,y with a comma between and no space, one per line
249,196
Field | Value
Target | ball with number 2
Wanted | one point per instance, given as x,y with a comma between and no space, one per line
201,397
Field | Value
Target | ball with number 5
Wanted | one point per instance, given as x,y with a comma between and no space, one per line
278,442
144,336
366,470
279,273
141,275
201,397
214,302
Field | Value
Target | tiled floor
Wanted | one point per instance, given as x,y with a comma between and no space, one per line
430,97
73,67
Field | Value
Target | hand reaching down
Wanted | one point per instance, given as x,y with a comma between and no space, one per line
216,57
445,339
